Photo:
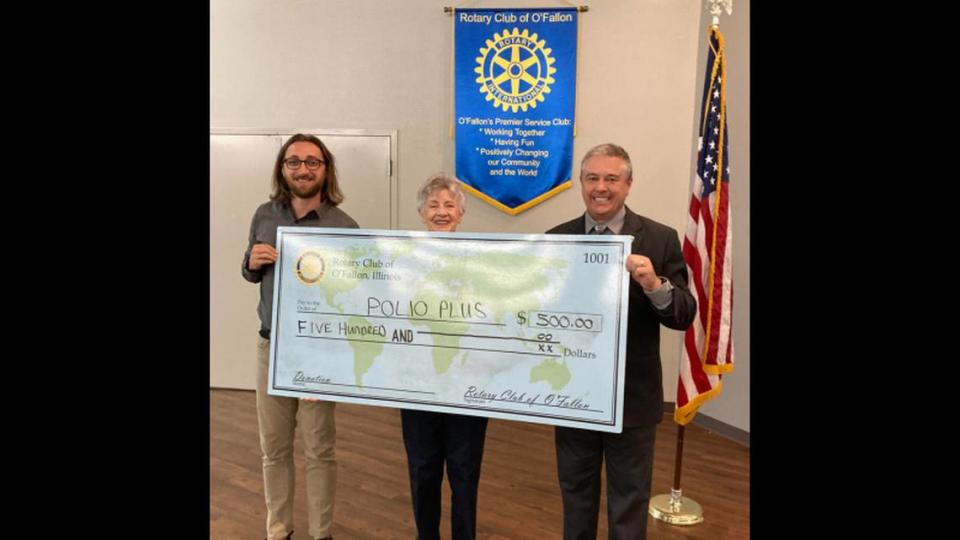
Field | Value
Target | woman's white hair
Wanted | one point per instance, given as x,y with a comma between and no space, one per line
437,182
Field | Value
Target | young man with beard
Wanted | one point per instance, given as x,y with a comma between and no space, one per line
305,194
658,295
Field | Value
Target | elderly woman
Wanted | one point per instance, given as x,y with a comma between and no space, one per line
434,438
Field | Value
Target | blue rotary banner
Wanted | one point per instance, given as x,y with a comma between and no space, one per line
515,88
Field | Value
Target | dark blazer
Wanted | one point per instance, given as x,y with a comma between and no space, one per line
643,395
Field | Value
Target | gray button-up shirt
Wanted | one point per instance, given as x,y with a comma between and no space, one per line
263,230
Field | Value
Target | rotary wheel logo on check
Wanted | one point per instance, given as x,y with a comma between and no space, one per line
310,267
515,70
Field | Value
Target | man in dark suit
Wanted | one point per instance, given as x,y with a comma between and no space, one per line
658,295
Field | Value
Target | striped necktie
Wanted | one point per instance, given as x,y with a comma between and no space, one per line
601,229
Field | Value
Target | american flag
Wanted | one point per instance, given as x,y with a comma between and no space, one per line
708,345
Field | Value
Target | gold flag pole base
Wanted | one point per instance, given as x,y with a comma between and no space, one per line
676,509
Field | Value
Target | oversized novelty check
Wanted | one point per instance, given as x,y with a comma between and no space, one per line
520,327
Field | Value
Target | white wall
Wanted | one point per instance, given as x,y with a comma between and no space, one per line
369,64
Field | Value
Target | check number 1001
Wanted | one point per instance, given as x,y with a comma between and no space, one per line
563,321
596,258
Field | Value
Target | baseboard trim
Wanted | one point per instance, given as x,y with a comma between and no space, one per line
723,429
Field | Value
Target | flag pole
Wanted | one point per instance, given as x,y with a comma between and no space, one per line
674,508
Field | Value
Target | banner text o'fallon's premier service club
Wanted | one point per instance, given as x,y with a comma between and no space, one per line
515,82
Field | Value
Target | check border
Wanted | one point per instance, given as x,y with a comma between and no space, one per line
614,412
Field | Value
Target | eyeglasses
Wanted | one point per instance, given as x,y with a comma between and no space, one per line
312,163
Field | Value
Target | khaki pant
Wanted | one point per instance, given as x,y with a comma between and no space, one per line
277,418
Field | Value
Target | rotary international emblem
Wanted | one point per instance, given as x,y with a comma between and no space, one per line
310,267
515,70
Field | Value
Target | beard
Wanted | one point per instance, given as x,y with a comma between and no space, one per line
304,191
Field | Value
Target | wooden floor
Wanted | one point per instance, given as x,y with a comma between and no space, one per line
519,495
